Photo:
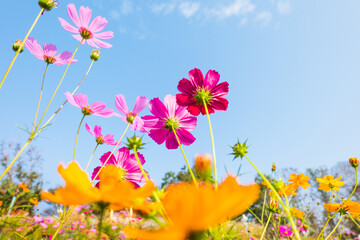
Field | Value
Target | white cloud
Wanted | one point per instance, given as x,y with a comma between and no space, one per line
126,7
188,9
264,18
164,8
284,7
244,21
236,8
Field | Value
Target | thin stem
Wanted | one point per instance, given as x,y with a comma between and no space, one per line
77,136
57,111
111,153
100,225
63,221
267,223
335,227
38,106
21,46
260,221
15,158
263,208
57,88
322,230
87,166
286,209
354,221
187,162
212,142
140,165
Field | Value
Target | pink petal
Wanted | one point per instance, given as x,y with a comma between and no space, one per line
109,139
71,100
211,79
81,100
35,48
140,104
122,156
98,24
120,116
135,177
101,43
141,158
88,128
188,123
220,90
171,142
67,26
150,121
157,108
185,137
181,112
104,35
120,104
85,16
96,170
159,135
97,131
49,50
71,10
97,106
105,156
79,38
196,78
104,113
219,104
170,104
64,58
138,124
92,43
185,87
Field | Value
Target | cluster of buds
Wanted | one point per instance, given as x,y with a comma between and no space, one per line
135,143
239,150
47,5
18,45
203,166
354,162
273,206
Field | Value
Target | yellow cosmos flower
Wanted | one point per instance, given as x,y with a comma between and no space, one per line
78,190
34,201
23,187
328,182
299,180
297,213
193,209
347,206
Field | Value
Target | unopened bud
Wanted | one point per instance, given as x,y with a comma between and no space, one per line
273,168
47,5
203,165
273,206
239,150
354,162
95,54
17,45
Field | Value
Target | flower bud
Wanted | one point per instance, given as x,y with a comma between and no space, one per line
17,45
354,162
203,165
47,5
95,54
273,206
273,168
134,143
239,149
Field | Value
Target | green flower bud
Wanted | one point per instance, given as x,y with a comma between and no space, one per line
135,142
95,54
239,149
47,5
17,45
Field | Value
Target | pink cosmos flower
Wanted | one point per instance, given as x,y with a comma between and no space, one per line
285,231
126,162
100,139
196,89
168,116
96,108
131,116
47,53
86,32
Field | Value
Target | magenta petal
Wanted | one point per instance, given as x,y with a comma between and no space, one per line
70,99
49,50
101,43
220,104
35,48
170,104
85,16
141,158
105,156
88,128
122,156
185,86
140,104
194,109
157,108
71,10
188,123
120,104
97,131
171,142
98,24
220,90
67,26
184,100
196,78
159,135
81,100
211,79
104,35
185,137
150,121
95,172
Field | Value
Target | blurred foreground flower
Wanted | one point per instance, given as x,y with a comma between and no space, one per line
78,190
86,32
193,209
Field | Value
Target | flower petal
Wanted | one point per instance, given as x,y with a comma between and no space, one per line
35,48
85,16
140,104
105,156
49,50
67,26
211,79
97,131
98,24
157,108
72,12
101,43
196,78
159,135
185,87
171,105
104,35
88,128
79,38
81,100
71,100
171,142
120,104
185,137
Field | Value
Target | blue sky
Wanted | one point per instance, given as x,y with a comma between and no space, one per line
292,66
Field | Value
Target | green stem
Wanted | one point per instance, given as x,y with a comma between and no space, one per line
354,221
140,165
322,230
70,210
187,162
77,136
263,208
267,223
111,153
57,88
87,166
21,46
286,209
38,106
212,142
100,225
255,216
335,227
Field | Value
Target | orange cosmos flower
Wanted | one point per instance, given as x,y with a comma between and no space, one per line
119,194
297,213
23,187
1,203
193,209
34,201
328,182
299,180
347,206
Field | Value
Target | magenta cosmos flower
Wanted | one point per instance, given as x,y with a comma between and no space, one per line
131,117
196,89
100,139
89,33
168,116
47,53
96,108
126,162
